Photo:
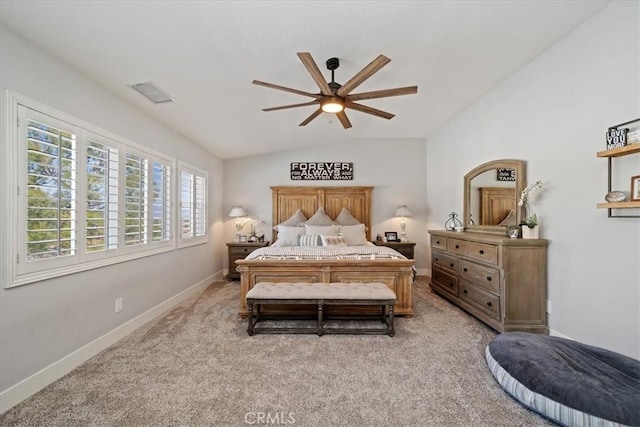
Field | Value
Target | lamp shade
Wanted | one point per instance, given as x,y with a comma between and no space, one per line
402,210
237,211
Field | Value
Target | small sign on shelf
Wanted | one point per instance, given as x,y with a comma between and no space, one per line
616,138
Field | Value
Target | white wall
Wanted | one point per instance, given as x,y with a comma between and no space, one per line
42,322
395,167
553,113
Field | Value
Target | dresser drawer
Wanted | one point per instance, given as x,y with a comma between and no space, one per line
486,277
481,299
447,261
457,246
483,251
439,242
444,280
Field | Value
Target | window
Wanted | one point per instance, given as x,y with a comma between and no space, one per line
101,197
193,205
87,198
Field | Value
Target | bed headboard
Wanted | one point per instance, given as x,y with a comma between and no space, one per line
287,200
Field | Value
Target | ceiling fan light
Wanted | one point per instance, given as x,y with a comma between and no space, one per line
332,104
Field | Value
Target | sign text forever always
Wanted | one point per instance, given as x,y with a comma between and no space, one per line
323,171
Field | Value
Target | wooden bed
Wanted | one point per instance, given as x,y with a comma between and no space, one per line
395,273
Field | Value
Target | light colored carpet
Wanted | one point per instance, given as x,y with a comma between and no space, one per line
197,366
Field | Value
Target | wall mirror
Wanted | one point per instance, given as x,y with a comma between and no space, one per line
491,193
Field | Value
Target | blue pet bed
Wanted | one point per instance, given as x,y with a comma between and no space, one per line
568,382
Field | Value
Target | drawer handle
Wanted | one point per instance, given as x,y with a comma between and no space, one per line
457,246
245,249
451,285
481,252
489,278
451,265
436,259
465,291
464,269
438,242
489,303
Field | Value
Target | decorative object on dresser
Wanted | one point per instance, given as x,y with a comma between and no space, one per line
530,222
453,222
238,251
405,248
632,147
403,211
238,213
499,280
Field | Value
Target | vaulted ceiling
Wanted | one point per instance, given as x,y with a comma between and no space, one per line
206,53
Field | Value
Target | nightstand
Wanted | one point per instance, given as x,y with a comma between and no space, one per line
405,248
240,251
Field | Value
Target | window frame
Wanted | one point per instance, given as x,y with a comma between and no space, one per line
196,173
21,272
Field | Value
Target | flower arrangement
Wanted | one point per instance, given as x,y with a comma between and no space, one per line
527,197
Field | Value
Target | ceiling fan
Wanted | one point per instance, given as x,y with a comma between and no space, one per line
334,97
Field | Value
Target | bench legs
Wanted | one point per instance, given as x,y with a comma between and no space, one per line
386,316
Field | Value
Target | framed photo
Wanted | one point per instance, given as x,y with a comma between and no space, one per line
391,236
635,188
243,238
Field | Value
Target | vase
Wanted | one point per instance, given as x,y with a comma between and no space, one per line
529,232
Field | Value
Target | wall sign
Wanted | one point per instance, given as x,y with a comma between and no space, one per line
616,138
506,174
322,171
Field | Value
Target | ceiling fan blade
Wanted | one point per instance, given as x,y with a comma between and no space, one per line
286,89
343,119
369,110
363,75
313,69
409,90
284,107
311,117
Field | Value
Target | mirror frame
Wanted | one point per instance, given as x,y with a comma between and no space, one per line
521,183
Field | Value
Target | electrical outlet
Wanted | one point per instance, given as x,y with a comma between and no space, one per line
118,305
548,307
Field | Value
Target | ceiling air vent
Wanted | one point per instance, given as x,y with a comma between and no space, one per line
152,92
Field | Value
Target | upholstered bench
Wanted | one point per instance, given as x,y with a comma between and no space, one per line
321,295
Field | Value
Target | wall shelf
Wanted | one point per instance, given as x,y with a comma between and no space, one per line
626,150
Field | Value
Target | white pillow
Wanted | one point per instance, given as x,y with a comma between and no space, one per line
309,240
324,230
345,218
320,218
333,241
297,219
288,236
354,234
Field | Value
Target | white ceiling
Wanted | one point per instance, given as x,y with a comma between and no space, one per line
206,53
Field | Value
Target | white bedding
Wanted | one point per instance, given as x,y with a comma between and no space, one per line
369,251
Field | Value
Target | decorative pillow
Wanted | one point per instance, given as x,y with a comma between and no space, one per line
319,218
297,219
345,218
309,240
354,234
324,230
333,241
288,236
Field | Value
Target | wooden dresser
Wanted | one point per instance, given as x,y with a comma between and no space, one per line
501,281
240,251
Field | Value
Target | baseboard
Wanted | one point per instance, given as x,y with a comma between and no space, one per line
555,333
36,382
